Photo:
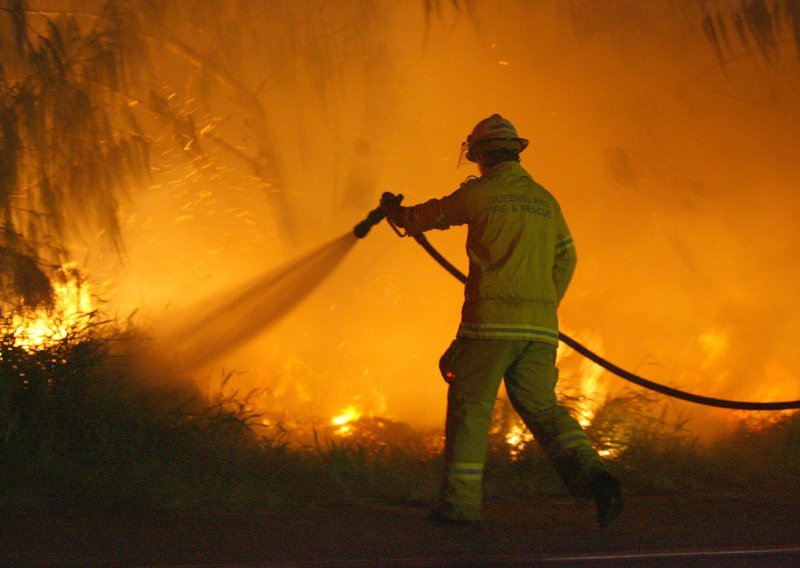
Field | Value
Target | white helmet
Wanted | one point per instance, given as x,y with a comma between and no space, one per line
493,133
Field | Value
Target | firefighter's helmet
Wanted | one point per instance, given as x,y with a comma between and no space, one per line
493,133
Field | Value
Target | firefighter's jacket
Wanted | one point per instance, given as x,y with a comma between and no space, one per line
521,255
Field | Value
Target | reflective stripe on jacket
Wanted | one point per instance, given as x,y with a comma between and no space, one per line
521,255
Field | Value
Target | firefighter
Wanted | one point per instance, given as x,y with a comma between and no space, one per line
521,260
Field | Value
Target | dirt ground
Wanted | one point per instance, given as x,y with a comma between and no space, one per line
653,531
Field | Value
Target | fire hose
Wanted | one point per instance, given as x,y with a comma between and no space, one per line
389,200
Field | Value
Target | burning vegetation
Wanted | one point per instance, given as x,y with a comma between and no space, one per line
69,310
88,435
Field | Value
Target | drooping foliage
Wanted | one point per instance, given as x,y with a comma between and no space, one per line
752,26
82,105
64,160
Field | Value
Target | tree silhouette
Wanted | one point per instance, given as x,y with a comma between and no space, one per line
83,104
63,162
755,26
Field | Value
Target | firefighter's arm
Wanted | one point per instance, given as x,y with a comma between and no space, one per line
432,214
565,259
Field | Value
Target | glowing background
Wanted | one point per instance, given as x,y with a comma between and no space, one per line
676,174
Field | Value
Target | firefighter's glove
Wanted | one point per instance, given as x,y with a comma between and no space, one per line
390,203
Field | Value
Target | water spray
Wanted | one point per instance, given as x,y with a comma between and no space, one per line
389,201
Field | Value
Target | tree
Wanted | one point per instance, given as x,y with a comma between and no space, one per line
753,25
63,162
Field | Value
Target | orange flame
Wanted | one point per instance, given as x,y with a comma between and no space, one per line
39,328
344,421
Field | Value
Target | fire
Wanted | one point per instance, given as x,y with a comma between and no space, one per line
518,437
36,329
590,374
344,421
587,382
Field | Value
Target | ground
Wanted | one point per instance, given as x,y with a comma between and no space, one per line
653,530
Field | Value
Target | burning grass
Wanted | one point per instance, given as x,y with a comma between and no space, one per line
77,428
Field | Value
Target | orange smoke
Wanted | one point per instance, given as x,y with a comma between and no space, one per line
677,175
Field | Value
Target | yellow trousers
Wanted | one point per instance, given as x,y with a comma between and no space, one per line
474,369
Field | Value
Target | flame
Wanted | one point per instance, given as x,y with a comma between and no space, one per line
518,437
586,383
588,374
344,420
39,328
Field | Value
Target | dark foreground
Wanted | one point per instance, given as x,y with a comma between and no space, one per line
653,531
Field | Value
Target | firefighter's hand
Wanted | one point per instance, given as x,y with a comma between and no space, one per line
390,200
390,203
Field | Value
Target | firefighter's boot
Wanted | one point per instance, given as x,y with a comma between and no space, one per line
607,496
568,447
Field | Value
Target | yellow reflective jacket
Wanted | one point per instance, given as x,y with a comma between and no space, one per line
521,255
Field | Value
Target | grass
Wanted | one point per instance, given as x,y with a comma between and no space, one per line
78,430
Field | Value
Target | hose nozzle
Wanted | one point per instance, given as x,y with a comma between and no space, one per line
388,201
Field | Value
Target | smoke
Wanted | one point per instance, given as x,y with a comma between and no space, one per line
677,174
